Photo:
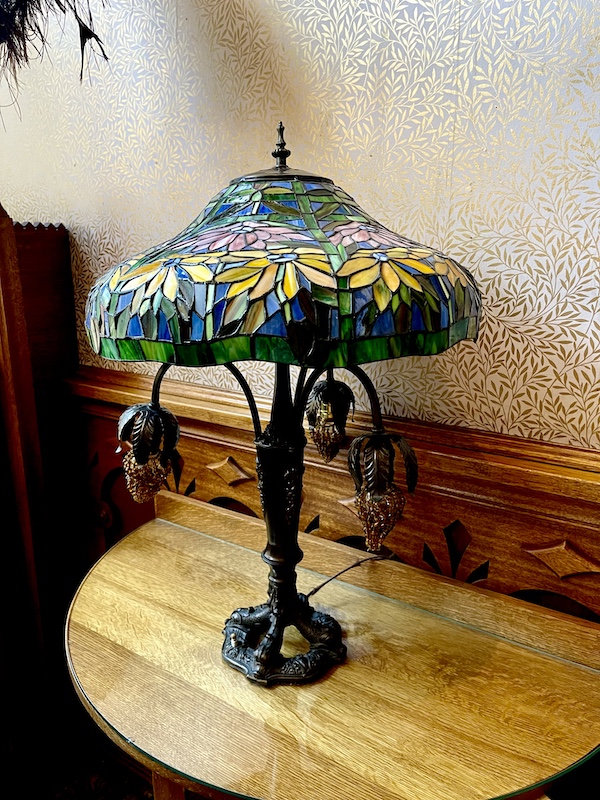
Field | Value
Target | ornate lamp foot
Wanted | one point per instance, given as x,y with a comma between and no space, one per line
253,639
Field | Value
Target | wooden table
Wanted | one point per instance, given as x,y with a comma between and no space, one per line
448,692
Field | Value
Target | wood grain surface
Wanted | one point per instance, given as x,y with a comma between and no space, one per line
425,708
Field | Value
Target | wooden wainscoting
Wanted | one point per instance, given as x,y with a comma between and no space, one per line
515,516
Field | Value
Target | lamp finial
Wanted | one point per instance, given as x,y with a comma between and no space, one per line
281,154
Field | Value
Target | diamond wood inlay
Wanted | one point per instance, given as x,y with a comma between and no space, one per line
230,471
564,559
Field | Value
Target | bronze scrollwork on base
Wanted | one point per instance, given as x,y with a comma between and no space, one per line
253,639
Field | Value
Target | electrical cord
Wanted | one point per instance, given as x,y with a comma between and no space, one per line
352,566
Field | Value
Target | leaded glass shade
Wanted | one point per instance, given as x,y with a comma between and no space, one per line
282,266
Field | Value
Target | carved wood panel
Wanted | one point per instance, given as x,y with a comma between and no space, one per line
513,517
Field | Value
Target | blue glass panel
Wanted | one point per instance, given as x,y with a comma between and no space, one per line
434,283
443,315
335,323
315,206
359,325
272,303
218,312
242,212
263,209
197,327
447,283
224,208
181,273
297,221
200,298
124,301
418,324
284,184
362,297
297,312
384,324
273,326
164,332
220,291
134,329
303,280
309,186
288,203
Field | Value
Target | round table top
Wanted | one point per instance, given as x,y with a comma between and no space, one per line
424,708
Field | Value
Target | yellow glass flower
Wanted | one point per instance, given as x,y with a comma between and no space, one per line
164,272
261,270
385,270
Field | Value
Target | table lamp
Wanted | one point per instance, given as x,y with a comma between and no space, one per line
283,266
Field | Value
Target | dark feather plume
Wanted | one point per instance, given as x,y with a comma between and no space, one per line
23,26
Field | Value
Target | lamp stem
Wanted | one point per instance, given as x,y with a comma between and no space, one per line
254,636
249,397
300,386
160,374
372,395
279,459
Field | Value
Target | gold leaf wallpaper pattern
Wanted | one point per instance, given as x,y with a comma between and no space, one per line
472,126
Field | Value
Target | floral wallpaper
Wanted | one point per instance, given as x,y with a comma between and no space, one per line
471,126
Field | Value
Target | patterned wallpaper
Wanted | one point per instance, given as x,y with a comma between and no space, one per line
472,126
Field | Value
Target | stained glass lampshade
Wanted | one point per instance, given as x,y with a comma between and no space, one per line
283,266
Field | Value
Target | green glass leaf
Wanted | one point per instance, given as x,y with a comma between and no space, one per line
325,210
183,309
157,351
346,328
338,357
405,294
327,296
270,348
458,331
130,350
366,350
235,308
397,346
122,323
168,308
144,306
109,349
157,300
467,303
345,302
137,300
199,354
237,349
175,329
426,311
286,211
432,300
